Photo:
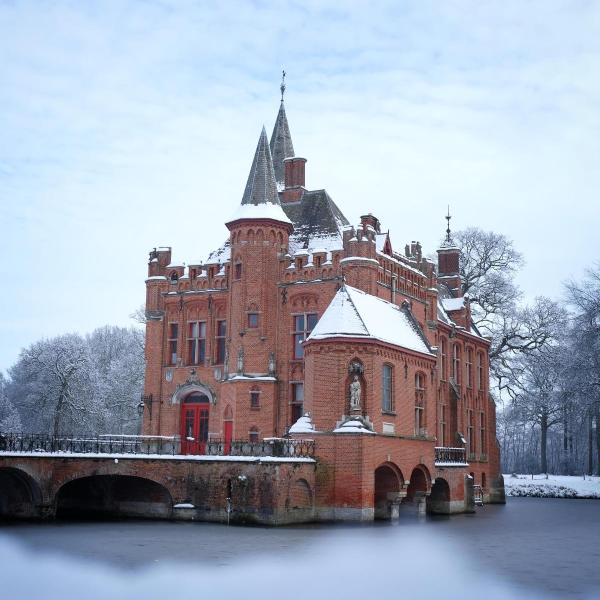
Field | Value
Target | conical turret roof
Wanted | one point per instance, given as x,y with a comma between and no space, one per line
261,187
281,144
260,200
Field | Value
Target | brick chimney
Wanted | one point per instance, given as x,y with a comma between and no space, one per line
294,179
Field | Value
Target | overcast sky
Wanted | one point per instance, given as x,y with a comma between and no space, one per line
127,125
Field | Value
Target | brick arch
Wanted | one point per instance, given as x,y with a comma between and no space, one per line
388,484
420,482
438,502
119,494
20,493
300,495
191,387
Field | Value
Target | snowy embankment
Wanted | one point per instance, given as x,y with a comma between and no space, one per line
552,486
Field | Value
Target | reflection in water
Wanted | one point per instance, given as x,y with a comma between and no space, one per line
548,546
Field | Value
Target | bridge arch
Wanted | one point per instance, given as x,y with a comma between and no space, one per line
113,496
389,481
20,494
420,483
438,501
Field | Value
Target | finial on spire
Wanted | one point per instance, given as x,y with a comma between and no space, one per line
448,217
282,86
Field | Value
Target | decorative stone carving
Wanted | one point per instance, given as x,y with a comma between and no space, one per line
240,361
272,364
355,393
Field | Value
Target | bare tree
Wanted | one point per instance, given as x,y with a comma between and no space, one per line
488,264
9,417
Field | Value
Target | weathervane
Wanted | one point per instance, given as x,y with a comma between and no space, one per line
282,86
448,217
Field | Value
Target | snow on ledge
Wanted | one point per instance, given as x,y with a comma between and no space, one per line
303,425
184,505
266,210
187,457
353,426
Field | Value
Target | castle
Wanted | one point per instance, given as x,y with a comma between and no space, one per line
304,326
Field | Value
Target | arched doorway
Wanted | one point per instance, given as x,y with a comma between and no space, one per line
113,496
19,495
195,410
438,501
388,483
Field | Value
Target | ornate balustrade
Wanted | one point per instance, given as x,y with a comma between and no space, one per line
450,457
151,445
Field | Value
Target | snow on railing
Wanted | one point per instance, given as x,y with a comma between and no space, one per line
450,456
162,445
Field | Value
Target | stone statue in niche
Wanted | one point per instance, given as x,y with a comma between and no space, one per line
240,361
272,364
355,392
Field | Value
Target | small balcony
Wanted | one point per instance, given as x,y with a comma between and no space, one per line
450,457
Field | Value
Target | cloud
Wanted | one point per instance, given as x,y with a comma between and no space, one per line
126,124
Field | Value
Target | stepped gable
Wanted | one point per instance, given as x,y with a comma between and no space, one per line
317,222
281,145
356,314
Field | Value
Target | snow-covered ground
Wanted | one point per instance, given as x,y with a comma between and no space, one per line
552,486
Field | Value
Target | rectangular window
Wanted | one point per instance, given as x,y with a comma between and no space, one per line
482,447
297,404
303,325
172,343
469,367
456,364
252,320
480,371
254,399
220,338
196,342
444,358
442,425
238,270
470,436
387,401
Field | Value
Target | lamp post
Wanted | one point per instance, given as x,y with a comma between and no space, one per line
140,410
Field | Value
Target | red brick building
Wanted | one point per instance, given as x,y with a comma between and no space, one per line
303,325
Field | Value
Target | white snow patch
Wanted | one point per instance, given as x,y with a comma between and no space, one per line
354,313
451,304
552,486
266,210
303,425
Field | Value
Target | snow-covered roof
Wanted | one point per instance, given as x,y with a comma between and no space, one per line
451,304
352,426
354,313
265,210
303,425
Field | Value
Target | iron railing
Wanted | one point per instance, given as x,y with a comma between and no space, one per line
450,456
152,445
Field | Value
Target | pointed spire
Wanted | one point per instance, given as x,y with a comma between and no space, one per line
281,139
448,217
261,187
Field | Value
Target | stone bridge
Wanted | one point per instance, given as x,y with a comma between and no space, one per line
263,489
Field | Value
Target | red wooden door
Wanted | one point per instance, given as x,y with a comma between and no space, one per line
194,424
227,436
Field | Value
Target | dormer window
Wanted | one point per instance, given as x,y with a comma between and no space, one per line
174,277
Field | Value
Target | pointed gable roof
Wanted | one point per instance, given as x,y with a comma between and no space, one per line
261,187
260,199
281,144
354,313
